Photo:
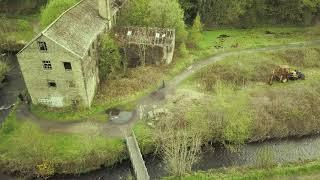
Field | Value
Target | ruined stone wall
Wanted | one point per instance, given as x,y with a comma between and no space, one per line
36,77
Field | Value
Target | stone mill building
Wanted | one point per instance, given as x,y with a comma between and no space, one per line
59,65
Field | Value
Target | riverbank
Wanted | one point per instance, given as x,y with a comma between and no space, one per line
302,170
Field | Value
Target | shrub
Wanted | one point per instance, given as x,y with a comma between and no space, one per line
183,51
292,111
223,117
110,59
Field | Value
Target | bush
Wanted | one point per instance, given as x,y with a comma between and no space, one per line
183,51
110,59
292,111
195,33
53,10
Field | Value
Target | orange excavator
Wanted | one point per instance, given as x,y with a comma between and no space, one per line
283,74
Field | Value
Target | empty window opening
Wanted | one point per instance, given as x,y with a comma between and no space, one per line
74,102
47,65
52,84
67,66
42,46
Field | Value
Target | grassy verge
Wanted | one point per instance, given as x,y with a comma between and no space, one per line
307,169
27,150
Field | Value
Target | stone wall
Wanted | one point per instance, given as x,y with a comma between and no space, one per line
91,71
36,77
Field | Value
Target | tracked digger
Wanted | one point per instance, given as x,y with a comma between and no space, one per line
283,74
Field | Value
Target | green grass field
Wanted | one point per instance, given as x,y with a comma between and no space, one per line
27,150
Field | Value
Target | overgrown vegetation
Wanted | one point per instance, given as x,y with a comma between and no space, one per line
53,9
27,150
261,111
110,64
155,13
195,34
248,13
230,102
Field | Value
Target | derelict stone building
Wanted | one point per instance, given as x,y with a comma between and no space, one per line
59,65
146,45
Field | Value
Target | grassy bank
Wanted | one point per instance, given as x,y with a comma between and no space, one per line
306,170
16,32
27,150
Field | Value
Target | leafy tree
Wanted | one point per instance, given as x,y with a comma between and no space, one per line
168,14
110,58
155,13
221,12
195,33
191,9
135,13
53,9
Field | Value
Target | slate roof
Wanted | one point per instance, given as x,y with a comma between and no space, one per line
78,27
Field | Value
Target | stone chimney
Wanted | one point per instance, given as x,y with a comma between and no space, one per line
104,9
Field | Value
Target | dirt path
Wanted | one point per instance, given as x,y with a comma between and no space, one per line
149,102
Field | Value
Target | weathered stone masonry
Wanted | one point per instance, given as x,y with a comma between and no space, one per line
59,66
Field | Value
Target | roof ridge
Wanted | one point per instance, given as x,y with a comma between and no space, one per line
50,25
62,14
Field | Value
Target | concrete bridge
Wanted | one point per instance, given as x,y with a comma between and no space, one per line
137,161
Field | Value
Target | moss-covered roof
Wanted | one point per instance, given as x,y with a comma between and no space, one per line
78,27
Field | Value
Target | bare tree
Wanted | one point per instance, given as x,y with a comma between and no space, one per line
180,146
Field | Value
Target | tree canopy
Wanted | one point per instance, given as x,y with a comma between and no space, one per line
252,12
155,13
